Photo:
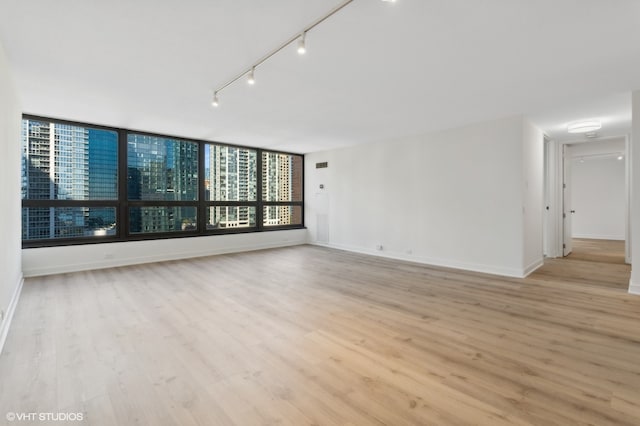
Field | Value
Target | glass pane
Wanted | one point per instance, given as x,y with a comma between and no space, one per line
162,219
281,177
222,217
282,215
230,173
67,222
161,168
65,162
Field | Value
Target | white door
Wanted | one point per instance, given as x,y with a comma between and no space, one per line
567,212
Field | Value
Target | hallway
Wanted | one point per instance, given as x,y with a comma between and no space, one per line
592,262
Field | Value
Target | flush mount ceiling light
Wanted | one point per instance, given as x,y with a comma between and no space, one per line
584,126
300,37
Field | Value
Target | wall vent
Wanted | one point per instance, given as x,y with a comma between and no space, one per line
322,165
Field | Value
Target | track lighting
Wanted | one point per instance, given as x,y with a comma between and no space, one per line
302,48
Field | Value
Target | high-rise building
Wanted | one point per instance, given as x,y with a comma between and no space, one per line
161,169
58,163
55,158
230,176
281,181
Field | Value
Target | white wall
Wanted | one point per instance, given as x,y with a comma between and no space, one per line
598,198
10,237
597,148
52,260
533,195
634,285
454,198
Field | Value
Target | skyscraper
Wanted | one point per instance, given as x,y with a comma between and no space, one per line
58,161
55,160
281,181
230,176
161,169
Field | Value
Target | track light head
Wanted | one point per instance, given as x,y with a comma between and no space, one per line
302,48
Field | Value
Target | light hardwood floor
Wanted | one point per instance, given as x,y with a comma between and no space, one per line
313,336
592,262
604,251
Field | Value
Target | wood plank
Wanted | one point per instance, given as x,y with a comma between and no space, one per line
309,335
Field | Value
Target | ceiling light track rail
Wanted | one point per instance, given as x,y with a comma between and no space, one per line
300,36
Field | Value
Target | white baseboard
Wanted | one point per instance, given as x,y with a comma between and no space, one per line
6,323
634,288
475,267
599,237
113,263
532,267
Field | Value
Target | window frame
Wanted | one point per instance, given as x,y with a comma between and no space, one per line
122,203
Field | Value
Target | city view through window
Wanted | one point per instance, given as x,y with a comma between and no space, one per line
71,187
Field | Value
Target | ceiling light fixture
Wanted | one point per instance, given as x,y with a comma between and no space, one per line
620,157
214,101
584,126
302,48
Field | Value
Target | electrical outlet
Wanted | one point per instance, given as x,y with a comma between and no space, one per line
379,247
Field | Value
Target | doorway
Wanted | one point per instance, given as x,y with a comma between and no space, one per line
590,247
594,197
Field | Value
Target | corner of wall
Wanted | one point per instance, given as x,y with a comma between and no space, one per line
634,199
8,317
528,270
634,282
532,196
10,232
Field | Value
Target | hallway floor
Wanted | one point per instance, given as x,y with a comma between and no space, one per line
585,264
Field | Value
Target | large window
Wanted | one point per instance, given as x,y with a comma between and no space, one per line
69,181
230,186
281,189
84,183
162,184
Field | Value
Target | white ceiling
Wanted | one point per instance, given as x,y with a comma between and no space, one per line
374,71
612,110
